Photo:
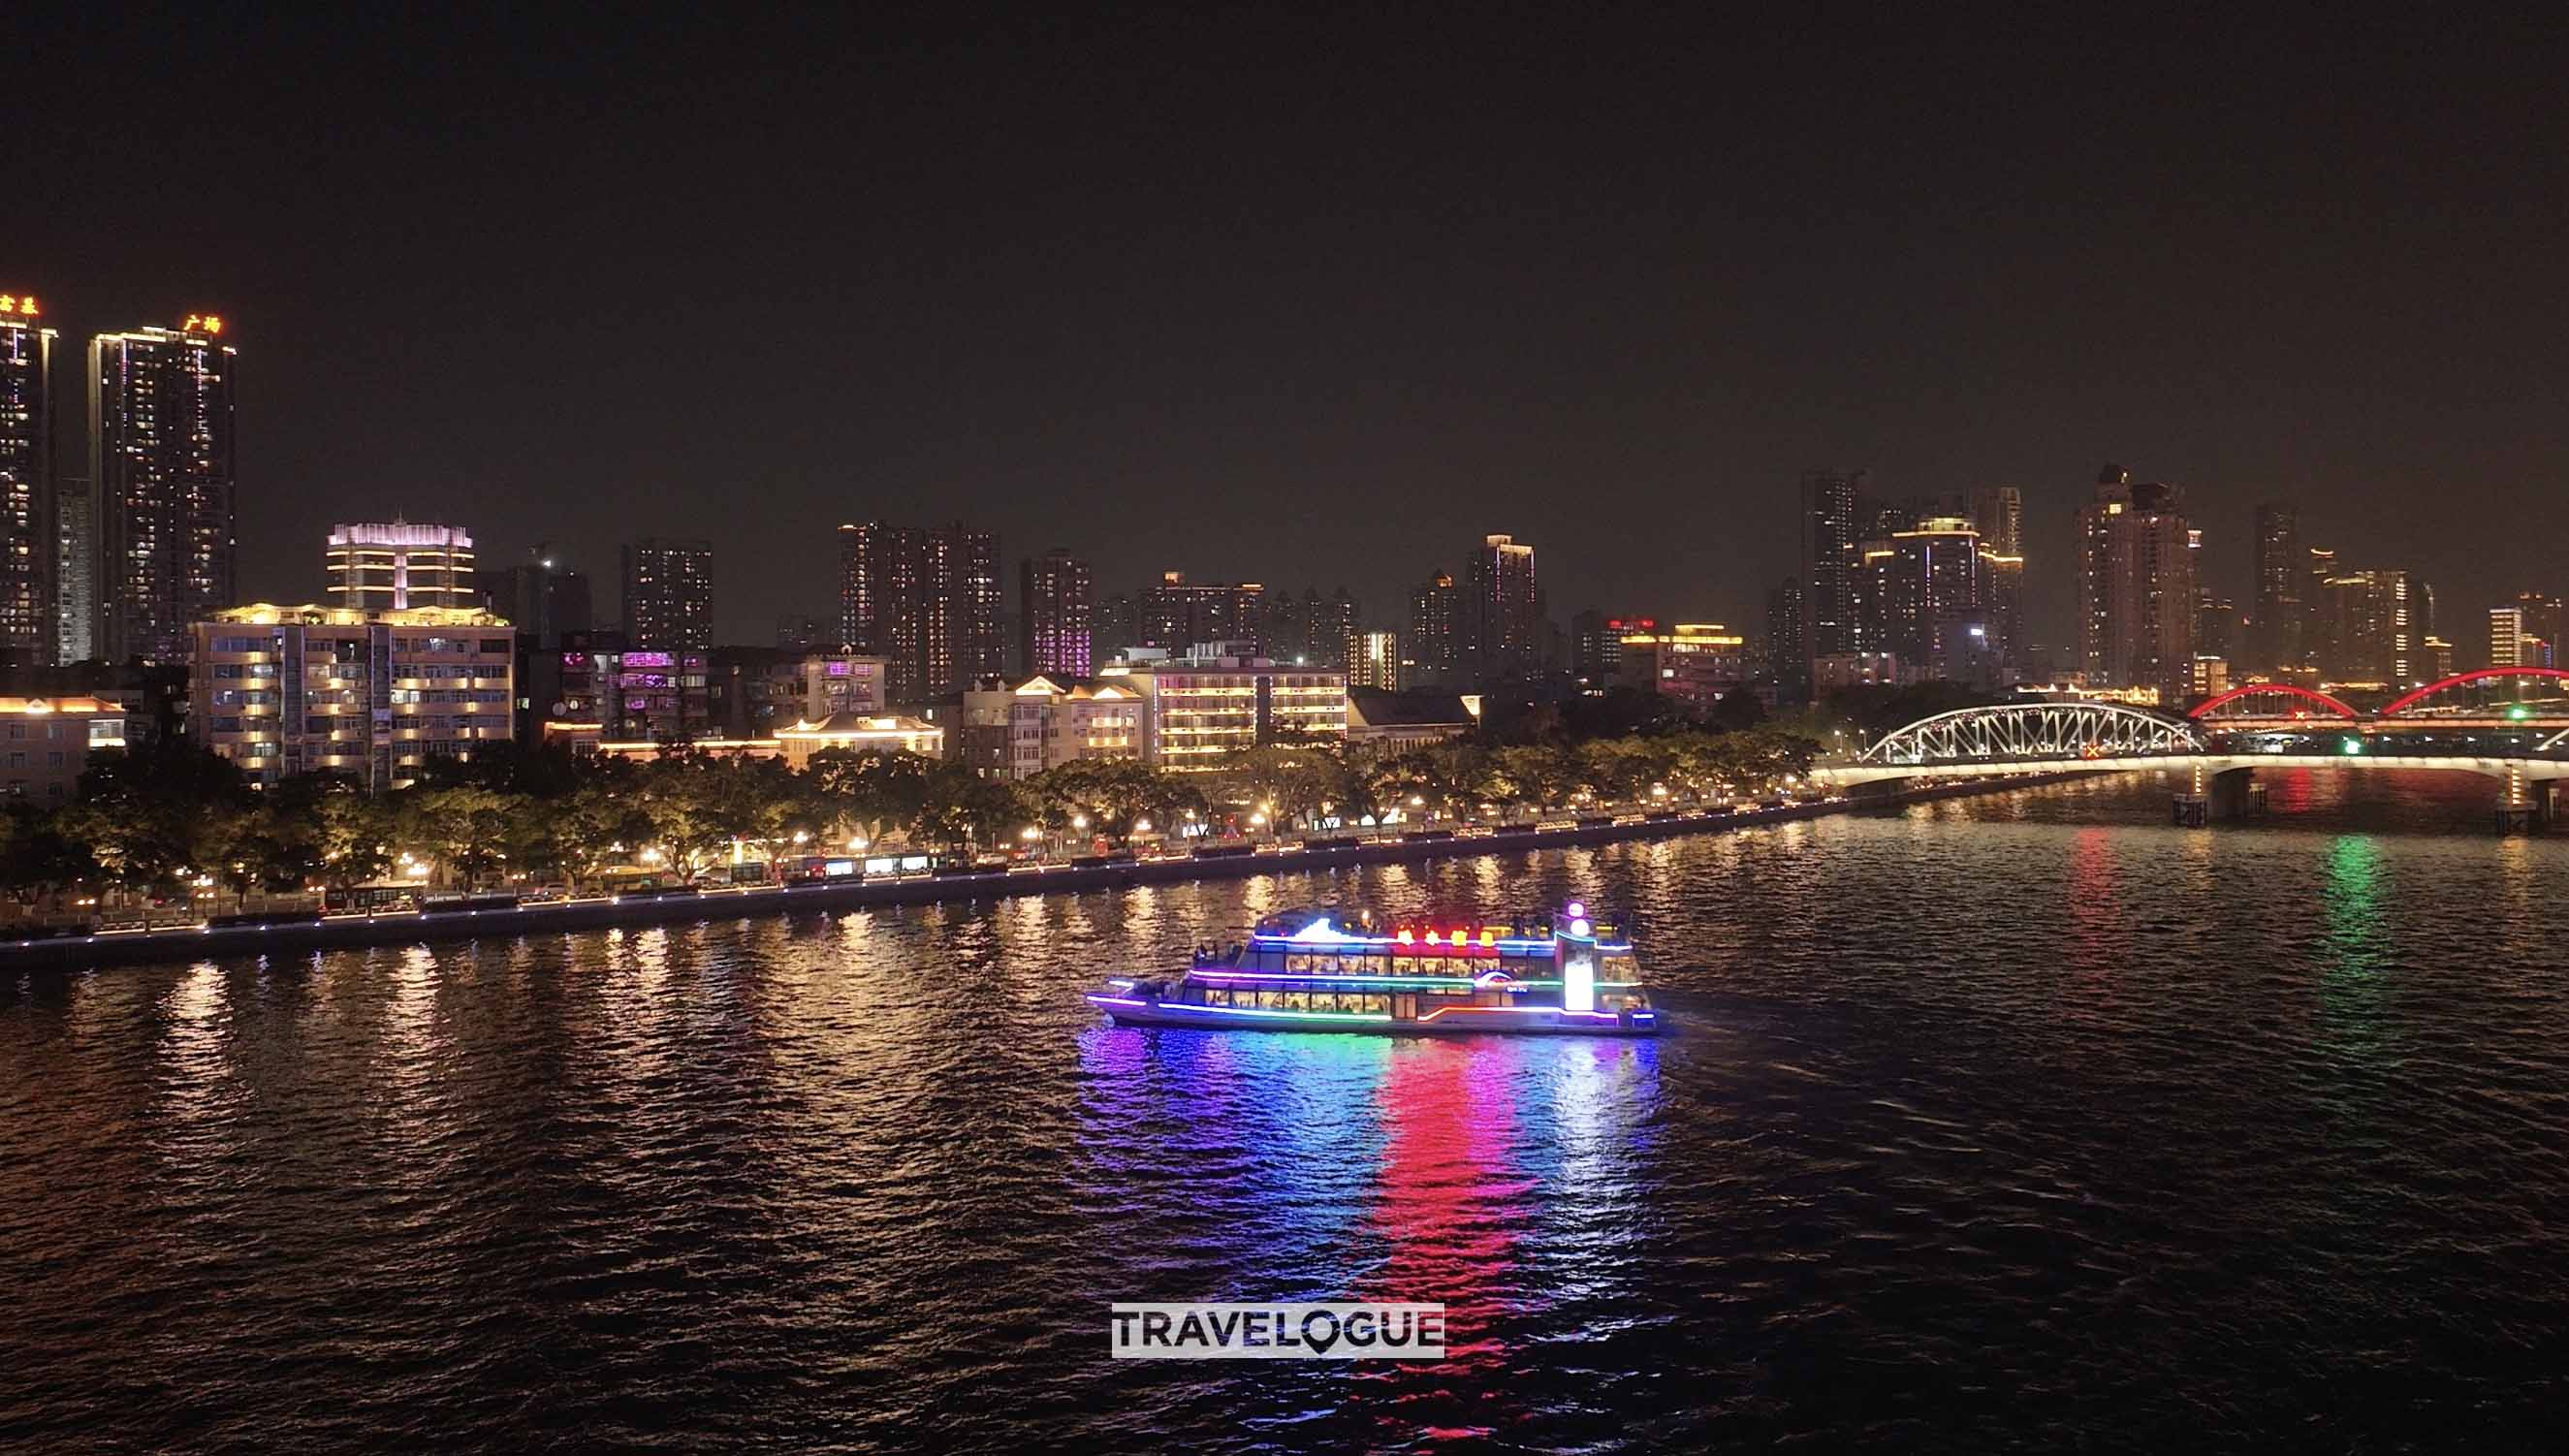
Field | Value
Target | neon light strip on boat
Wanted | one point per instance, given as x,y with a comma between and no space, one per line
1239,1010
1526,1012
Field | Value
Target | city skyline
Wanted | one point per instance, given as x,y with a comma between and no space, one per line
1522,319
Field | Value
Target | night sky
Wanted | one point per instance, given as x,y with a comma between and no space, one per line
1318,299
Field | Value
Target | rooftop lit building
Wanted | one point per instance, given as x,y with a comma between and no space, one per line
395,564
46,743
1376,663
286,690
1696,663
28,526
1196,709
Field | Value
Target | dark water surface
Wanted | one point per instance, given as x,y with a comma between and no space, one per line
2028,1123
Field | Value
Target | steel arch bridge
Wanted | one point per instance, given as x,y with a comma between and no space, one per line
2035,732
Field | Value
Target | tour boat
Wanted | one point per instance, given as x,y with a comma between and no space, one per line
1557,975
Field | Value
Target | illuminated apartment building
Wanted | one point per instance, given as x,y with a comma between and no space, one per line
28,529
286,690
1197,709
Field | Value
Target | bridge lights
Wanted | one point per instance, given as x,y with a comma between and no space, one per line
2351,747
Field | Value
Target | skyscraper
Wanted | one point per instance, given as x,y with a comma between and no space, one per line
2149,595
669,595
1930,576
1788,642
27,528
1828,539
1501,624
1998,514
162,456
1434,650
926,602
2111,496
1052,599
75,569
374,566
2277,609
2377,635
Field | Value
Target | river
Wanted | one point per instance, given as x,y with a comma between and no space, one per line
2017,1123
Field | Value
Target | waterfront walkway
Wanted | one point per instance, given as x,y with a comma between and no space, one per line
395,927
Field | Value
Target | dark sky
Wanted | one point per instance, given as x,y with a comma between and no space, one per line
1318,299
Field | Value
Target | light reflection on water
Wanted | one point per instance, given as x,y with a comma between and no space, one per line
2239,1135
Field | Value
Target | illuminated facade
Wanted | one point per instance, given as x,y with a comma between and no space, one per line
2376,631
1053,599
1922,579
1376,663
2525,632
1044,723
1694,663
591,692
29,632
1195,710
285,690
669,595
379,564
45,743
162,460
857,732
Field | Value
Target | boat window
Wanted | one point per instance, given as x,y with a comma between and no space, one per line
1217,997
1299,962
1404,966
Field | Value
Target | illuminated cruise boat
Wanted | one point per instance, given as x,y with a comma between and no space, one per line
1558,975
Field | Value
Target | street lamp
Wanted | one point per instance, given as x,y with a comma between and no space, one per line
856,842
1141,825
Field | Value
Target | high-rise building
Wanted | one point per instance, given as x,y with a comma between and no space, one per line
1828,539
1328,629
162,456
2137,598
1176,615
2281,574
1998,514
1377,662
1433,652
2106,504
669,595
375,565
1927,576
29,631
1597,645
2216,625
969,579
1052,599
75,569
1115,628
543,598
1788,640
2525,632
926,602
2376,636
2319,609
1502,622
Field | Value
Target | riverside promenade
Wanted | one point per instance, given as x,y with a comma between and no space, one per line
411,927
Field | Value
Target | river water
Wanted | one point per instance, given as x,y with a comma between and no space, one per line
2018,1123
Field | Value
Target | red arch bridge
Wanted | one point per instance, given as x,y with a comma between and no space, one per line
2218,752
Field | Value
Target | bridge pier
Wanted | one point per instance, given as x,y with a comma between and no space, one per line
2229,793
2527,807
